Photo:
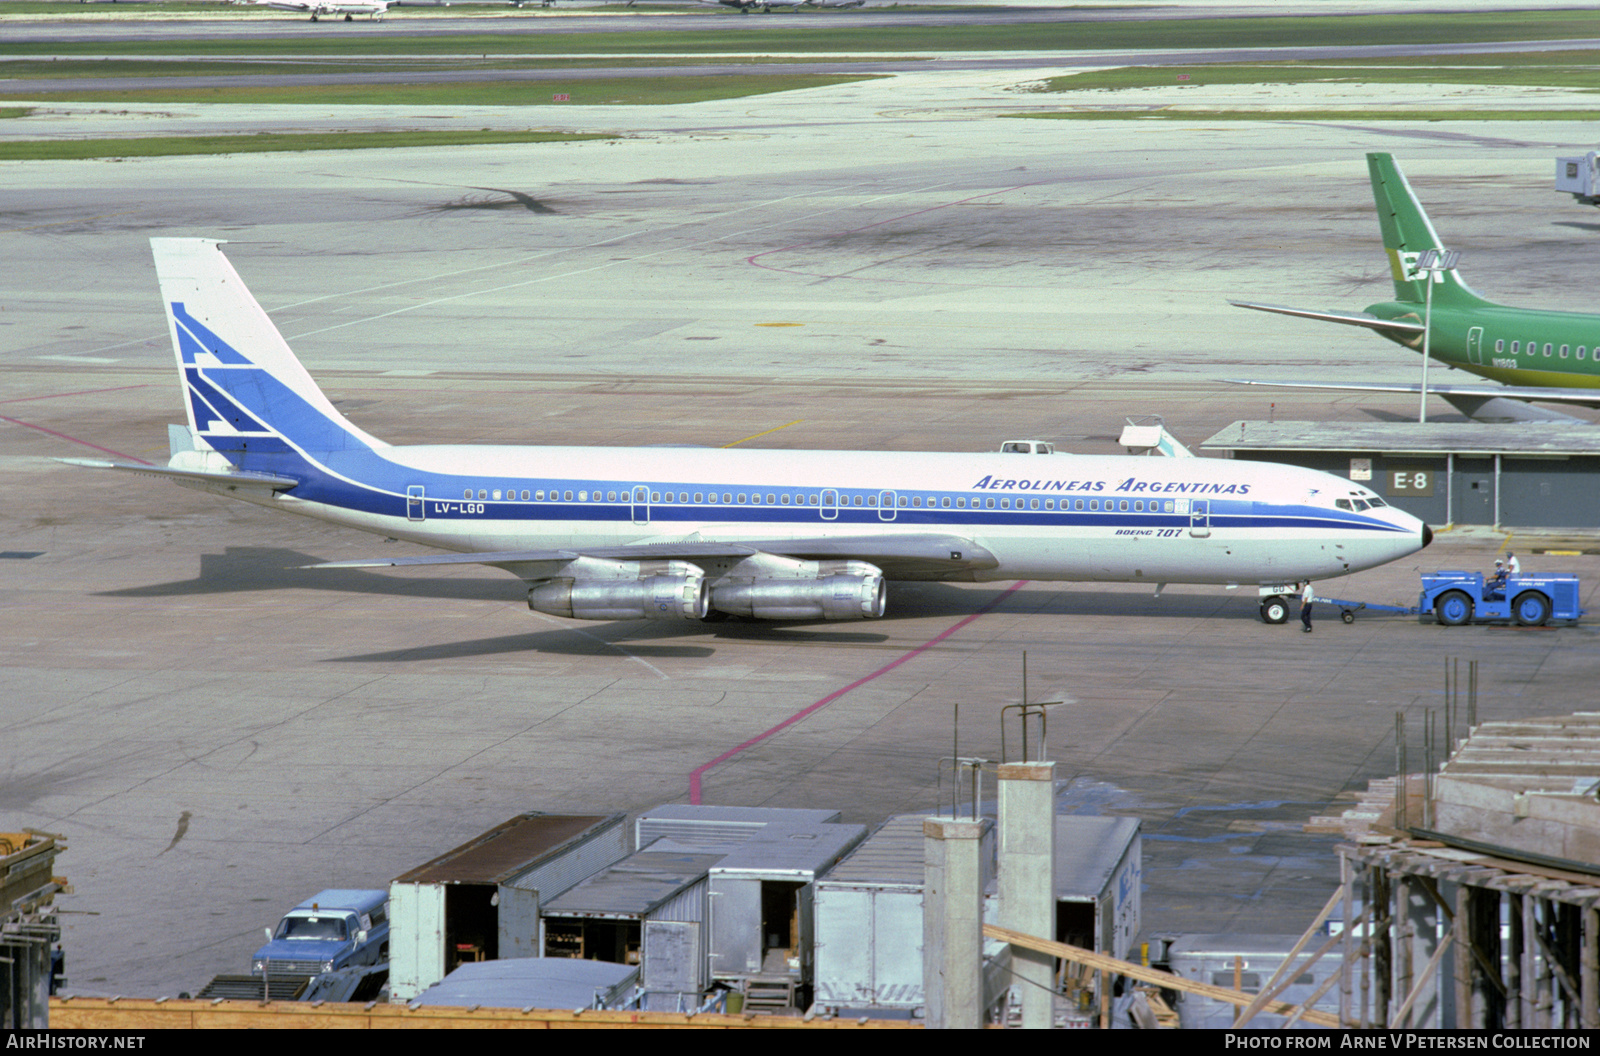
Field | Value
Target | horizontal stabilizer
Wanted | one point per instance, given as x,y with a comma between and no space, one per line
262,481
1394,326
900,556
1482,403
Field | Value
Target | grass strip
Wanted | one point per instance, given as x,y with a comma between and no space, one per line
619,91
38,70
1575,70
839,36
1334,116
79,7
265,142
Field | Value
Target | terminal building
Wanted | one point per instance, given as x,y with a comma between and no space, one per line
1513,475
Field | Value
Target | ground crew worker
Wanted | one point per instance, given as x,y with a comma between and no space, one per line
1306,598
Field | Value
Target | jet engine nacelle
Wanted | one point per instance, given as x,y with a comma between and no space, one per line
773,588
623,590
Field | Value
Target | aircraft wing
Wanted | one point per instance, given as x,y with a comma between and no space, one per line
900,556
1575,397
263,481
1395,326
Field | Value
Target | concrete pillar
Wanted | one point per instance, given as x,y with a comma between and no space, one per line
1027,881
952,923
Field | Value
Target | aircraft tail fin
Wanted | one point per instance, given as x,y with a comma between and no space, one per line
247,395
1407,233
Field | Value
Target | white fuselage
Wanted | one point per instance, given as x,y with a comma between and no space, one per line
1055,517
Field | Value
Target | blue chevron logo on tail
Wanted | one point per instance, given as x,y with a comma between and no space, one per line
247,394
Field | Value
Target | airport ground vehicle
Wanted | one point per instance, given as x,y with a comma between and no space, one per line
1455,598
1531,600
334,929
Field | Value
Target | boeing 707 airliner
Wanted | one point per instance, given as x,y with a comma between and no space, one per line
671,533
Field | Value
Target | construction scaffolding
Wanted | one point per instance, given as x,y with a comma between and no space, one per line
28,927
1471,896
1437,940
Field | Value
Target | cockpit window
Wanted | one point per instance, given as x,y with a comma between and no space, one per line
1344,504
1375,502
1361,504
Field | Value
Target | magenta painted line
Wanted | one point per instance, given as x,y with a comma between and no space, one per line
73,439
695,776
61,395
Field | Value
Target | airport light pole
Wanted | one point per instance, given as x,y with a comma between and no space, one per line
1432,262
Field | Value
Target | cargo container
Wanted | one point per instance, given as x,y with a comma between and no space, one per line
867,943
648,909
481,900
868,908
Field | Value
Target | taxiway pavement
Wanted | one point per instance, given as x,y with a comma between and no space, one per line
889,264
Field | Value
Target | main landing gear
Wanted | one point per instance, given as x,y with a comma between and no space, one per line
1275,609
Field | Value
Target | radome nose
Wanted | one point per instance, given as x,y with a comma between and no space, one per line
1427,535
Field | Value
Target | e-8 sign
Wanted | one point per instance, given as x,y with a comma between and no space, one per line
1412,480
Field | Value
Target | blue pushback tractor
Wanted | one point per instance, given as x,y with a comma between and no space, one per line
1456,598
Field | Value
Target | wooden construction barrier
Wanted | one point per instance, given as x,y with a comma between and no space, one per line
127,1014
1165,980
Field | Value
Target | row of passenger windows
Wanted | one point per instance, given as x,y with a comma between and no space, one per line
1549,349
814,499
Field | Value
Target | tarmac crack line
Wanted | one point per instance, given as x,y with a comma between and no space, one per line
497,267
454,764
580,271
854,738
596,638
199,758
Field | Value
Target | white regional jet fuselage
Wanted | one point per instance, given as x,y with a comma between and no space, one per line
608,533
373,9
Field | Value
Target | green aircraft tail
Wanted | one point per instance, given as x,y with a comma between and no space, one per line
1406,234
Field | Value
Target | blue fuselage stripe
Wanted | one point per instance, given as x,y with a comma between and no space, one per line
371,498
